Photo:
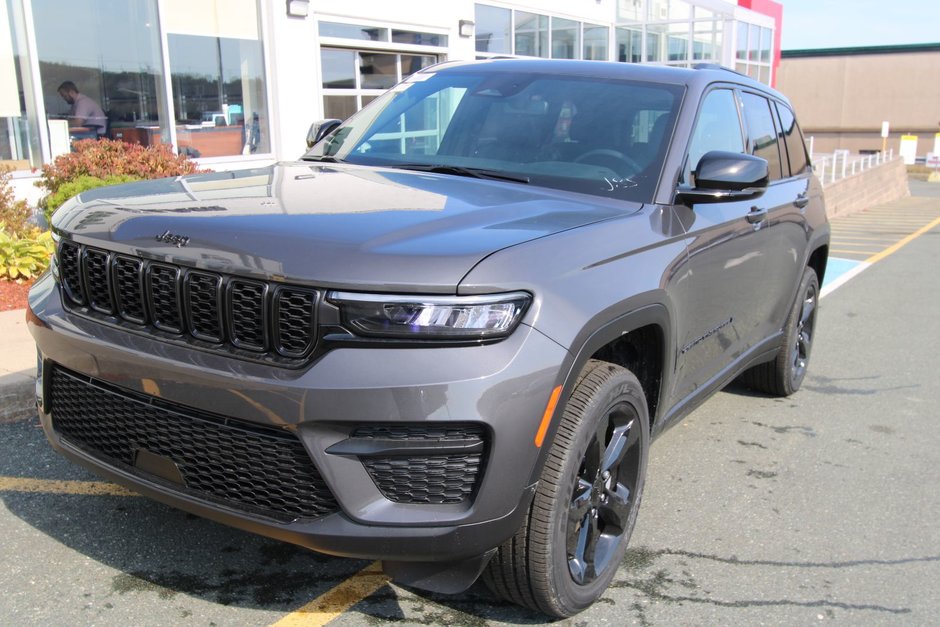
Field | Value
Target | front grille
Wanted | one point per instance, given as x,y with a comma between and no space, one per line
448,478
256,469
247,318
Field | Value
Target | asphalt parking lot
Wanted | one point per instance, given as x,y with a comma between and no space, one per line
822,507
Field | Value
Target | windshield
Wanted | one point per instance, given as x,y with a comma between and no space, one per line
599,136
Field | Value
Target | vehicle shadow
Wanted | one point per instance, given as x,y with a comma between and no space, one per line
155,547
160,550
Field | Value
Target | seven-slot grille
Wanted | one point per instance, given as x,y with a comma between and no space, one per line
265,319
253,468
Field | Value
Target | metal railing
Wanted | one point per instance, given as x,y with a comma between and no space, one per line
829,168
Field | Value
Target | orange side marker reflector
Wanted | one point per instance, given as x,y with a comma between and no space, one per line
547,417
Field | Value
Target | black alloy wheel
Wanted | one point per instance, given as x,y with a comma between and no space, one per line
585,507
601,504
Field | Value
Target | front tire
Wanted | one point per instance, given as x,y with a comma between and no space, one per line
585,507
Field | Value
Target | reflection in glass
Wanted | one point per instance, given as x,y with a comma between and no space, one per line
653,53
411,63
531,34
492,29
19,120
339,107
339,68
219,95
377,70
765,44
742,41
629,45
418,38
352,31
110,49
595,42
564,38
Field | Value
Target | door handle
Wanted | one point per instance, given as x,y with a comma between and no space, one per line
756,215
801,201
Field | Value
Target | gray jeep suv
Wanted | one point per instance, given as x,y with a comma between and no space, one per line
446,336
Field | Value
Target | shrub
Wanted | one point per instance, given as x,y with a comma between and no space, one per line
107,157
15,214
81,184
25,256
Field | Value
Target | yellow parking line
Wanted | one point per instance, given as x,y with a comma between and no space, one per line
334,602
52,486
904,242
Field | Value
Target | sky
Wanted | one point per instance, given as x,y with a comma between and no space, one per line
847,23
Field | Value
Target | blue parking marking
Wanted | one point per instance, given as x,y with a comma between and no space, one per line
836,267
839,271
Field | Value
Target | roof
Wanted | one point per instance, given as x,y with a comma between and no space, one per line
859,50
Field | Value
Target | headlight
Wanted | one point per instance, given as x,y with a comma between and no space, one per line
431,317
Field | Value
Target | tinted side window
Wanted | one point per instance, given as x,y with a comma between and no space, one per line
717,128
796,149
762,132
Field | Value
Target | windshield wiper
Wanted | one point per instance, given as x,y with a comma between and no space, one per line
477,173
326,158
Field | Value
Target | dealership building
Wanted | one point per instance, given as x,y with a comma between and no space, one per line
236,83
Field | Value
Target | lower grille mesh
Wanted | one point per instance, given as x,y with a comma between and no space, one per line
260,470
428,478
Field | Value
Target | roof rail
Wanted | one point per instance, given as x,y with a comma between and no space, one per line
715,66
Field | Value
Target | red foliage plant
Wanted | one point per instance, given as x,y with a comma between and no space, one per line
107,157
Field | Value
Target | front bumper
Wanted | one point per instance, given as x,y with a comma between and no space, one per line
502,387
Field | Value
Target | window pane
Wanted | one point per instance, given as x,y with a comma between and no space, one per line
796,149
531,34
352,31
564,39
411,63
765,44
717,128
653,53
218,94
19,121
753,42
418,39
761,131
492,29
629,45
595,42
339,68
377,70
339,107
110,50
742,41
677,49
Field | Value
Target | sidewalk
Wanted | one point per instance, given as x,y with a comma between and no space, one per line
17,368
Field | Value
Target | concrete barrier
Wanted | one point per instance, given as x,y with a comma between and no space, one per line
880,184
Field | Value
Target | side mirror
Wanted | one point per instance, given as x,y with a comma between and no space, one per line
319,130
727,176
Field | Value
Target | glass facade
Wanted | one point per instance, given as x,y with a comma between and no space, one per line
103,71
116,63
194,73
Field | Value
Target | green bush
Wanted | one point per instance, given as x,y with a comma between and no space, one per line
81,184
107,157
25,256
15,214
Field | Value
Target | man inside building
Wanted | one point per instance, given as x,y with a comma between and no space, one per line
85,114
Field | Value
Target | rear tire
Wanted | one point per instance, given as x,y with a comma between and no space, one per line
584,510
784,375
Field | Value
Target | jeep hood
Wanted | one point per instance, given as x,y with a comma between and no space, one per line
330,225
